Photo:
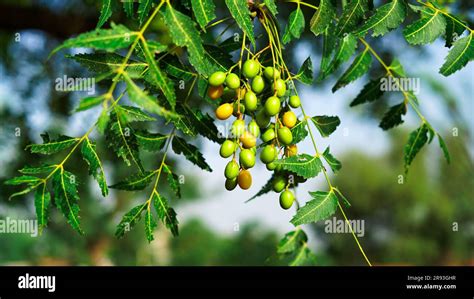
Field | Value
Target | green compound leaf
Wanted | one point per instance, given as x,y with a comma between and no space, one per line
323,17
329,43
152,142
304,165
321,206
299,132
129,220
292,241
425,30
461,53
23,179
326,125
184,34
118,37
371,92
108,63
393,117
357,69
135,182
305,74
53,146
295,26
67,198
42,204
105,12
150,224
45,168
180,146
173,180
271,6
132,114
416,141
387,17
345,49
454,29
352,16
90,102
204,10
201,123
241,13
332,161
166,214
95,166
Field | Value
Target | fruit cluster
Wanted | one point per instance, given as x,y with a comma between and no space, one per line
261,95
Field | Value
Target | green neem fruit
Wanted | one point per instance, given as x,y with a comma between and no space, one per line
286,199
271,166
295,101
232,81
251,69
268,154
262,118
231,170
280,87
258,84
227,148
272,106
271,73
217,78
268,135
238,109
279,184
238,128
284,136
253,128
250,101
231,184
247,158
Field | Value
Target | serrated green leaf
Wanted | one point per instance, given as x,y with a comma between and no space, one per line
304,165
184,34
23,179
166,214
295,26
128,8
108,63
345,49
180,146
150,224
299,132
387,17
326,125
118,37
105,12
454,29
416,141
305,74
322,17
135,182
357,69
204,10
95,166
241,13
158,78
173,180
425,30
329,43
461,53
203,123
42,203
352,15
67,198
292,241
45,168
132,114
53,146
332,161
151,142
393,117
270,4
22,192
144,9
321,206
122,140
369,93
90,102
145,101
175,68
303,257
129,220
265,188
444,148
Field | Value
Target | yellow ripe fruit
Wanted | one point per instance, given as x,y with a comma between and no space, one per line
248,140
215,92
291,150
244,179
224,111
289,119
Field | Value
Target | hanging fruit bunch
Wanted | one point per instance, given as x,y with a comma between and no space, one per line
261,104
